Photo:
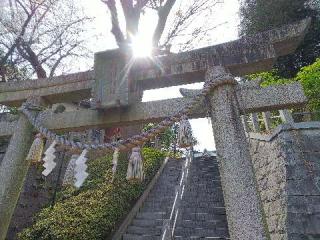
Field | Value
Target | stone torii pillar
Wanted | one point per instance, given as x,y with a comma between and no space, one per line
243,206
14,169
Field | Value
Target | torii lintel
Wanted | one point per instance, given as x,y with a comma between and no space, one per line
244,56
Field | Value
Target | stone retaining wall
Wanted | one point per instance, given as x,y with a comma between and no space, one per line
287,167
3,148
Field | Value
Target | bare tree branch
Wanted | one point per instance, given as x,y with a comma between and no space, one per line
40,36
132,17
58,61
141,4
116,30
182,26
163,13
18,38
27,53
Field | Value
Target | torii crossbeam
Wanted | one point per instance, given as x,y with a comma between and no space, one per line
116,85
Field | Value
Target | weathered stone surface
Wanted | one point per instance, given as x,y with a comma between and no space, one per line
7,128
267,120
113,85
255,122
261,99
13,170
241,57
288,172
68,88
155,111
3,147
244,56
243,206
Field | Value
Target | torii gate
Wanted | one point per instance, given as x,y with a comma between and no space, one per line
117,83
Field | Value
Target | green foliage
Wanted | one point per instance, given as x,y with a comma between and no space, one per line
166,138
93,211
270,78
262,15
309,77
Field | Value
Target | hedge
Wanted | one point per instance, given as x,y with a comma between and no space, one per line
96,209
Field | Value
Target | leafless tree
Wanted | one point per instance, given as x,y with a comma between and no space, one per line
39,36
182,15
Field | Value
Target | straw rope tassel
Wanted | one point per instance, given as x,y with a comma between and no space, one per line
49,163
185,133
36,150
81,169
135,166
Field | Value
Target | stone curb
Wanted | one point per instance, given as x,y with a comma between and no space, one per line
285,127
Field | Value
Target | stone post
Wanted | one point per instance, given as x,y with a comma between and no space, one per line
246,127
255,122
267,120
13,171
114,86
243,205
286,116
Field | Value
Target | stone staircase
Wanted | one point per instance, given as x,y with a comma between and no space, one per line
201,212
148,222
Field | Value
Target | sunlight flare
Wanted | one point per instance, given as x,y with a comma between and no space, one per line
141,46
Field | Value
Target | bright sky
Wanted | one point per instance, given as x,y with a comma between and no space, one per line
227,12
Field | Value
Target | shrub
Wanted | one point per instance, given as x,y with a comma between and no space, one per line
95,210
308,76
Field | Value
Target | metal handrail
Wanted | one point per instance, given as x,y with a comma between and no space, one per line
170,223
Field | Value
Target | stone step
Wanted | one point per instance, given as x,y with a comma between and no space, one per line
167,192
195,181
205,188
203,191
202,217
140,237
205,163
147,223
199,176
209,210
157,202
151,215
209,224
168,179
155,195
157,199
200,232
199,238
154,231
202,204
202,212
197,199
166,208
205,169
208,177
211,195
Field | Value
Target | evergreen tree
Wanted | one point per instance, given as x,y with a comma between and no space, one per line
261,15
